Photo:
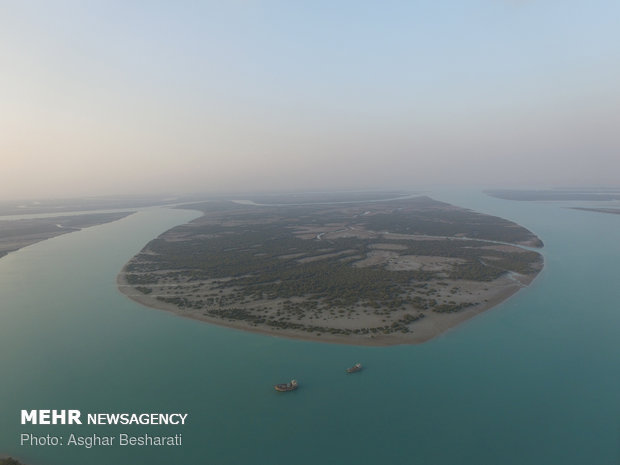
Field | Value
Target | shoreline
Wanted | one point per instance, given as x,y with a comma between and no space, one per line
430,327
33,230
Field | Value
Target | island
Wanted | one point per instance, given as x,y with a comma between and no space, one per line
18,233
396,271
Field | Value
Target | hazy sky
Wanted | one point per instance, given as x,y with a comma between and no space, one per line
103,97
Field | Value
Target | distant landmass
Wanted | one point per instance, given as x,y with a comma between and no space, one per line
15,234
388,272
54,206
314,198
556,194
612,211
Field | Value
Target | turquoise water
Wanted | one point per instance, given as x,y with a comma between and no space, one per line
534,381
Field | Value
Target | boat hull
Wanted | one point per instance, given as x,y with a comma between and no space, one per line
354,368
284,387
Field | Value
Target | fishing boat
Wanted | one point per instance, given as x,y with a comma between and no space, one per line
354,368
287,386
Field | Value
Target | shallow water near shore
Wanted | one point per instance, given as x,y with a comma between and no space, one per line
535,380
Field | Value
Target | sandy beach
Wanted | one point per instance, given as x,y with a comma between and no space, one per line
423,330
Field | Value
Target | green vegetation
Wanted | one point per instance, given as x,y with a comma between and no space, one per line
450,222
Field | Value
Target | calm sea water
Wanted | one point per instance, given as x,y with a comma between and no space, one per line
533,381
